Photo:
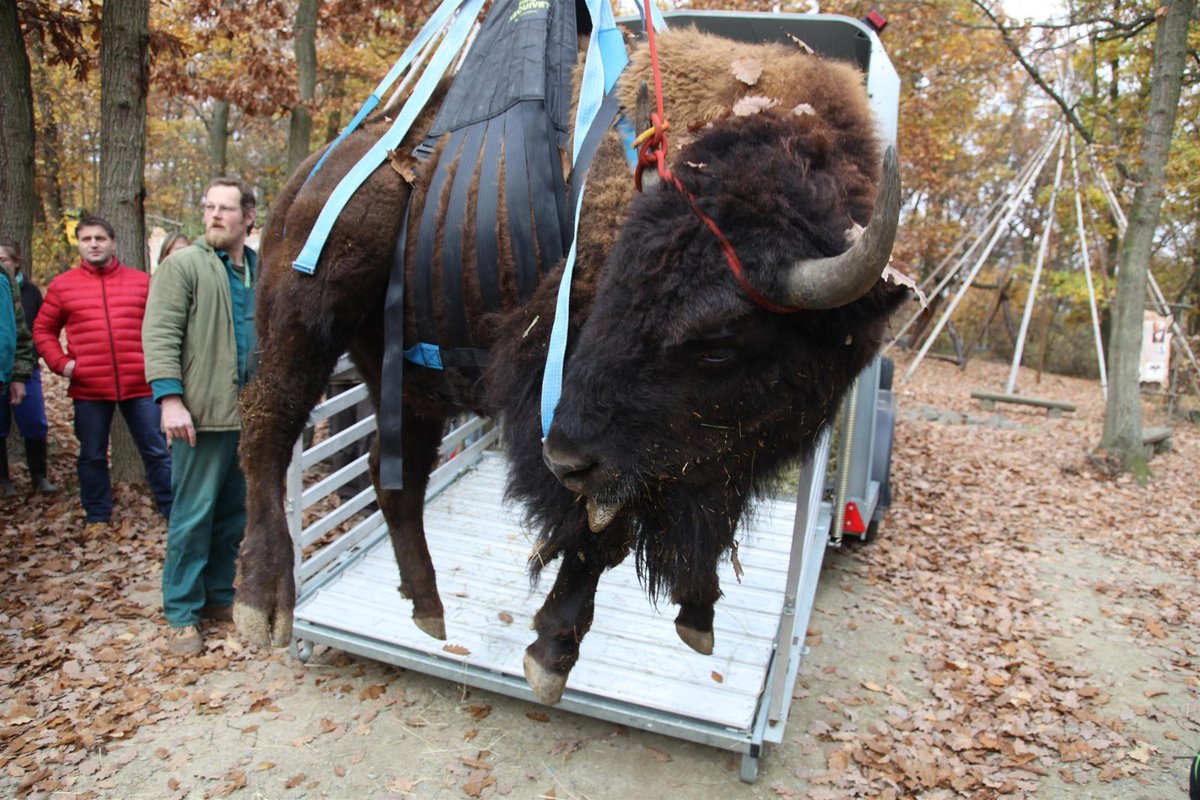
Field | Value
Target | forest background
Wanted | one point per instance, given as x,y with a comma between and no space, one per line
250,89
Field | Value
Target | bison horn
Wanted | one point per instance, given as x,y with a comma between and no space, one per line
822,283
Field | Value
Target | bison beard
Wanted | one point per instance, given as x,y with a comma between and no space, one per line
681,397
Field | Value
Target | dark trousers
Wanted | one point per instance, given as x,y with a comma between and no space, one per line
30,413
93,419
206,527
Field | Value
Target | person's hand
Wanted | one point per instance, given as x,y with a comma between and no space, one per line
16,392
69,369
177,420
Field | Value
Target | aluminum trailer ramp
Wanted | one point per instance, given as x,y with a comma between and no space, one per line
633,669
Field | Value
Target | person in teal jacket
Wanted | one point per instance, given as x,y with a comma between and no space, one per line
16,345
198,336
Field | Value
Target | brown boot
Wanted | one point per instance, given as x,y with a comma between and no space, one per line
186,641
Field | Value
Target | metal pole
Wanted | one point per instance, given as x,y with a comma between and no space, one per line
295,509
991,219
1087,271
966,284
1043,246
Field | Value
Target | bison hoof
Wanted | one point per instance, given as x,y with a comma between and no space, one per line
547,686
700,641
432,626
260,628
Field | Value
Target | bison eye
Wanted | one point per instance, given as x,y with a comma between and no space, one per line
715,357
716,351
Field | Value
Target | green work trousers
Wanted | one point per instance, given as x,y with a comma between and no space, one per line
206,526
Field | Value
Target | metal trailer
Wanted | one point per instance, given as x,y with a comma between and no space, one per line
632,669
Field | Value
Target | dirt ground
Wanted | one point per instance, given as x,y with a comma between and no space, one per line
1025,626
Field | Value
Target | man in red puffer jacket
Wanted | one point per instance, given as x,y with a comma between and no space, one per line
101,304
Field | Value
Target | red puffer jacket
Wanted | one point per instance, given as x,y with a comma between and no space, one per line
102,310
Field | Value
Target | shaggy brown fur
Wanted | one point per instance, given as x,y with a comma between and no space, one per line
711,390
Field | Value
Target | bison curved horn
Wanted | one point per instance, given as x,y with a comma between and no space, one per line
822,283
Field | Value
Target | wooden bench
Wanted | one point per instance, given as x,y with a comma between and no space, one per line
1054,408
1159,439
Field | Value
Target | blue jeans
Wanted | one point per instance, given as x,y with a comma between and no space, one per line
30,412
206,526
93,419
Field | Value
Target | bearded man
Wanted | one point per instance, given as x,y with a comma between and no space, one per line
199,340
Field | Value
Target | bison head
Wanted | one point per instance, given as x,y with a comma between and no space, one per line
681,394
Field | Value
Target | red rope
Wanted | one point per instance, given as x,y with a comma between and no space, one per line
652,150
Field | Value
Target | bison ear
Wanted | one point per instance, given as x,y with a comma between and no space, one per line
641,114
642,122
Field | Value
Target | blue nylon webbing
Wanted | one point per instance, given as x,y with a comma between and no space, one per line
307,260
427,32
606,58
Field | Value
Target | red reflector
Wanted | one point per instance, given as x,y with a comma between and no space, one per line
854,520
876,21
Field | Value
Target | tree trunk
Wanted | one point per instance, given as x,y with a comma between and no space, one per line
48,148
1123,412
124,80
300,132
16,131
218,137
335,90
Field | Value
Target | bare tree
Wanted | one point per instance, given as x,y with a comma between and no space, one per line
16,130
1123,412
300,133
124,80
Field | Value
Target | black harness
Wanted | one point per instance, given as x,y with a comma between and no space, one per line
509,103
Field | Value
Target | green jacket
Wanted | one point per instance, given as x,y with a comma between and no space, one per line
188,336
14,329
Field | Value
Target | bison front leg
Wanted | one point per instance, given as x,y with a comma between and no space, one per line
292,375
567,613
694,622
404,510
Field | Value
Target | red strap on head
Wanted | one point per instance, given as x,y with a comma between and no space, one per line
731,258
652,149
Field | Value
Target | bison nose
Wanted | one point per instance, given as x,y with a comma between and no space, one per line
573,468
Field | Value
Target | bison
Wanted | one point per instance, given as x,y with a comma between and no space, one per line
684,391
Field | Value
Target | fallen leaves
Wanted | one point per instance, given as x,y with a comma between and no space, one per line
982,584
753,104
747,69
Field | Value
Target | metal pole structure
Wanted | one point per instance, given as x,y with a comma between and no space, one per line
992,219
976,233
1087,271
1043,246
966,284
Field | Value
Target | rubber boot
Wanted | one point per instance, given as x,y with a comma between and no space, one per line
35,454
6,487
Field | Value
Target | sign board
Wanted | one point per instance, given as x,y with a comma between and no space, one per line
1154,365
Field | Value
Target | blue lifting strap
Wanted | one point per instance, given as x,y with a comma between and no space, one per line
427,32
606,58
453,41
